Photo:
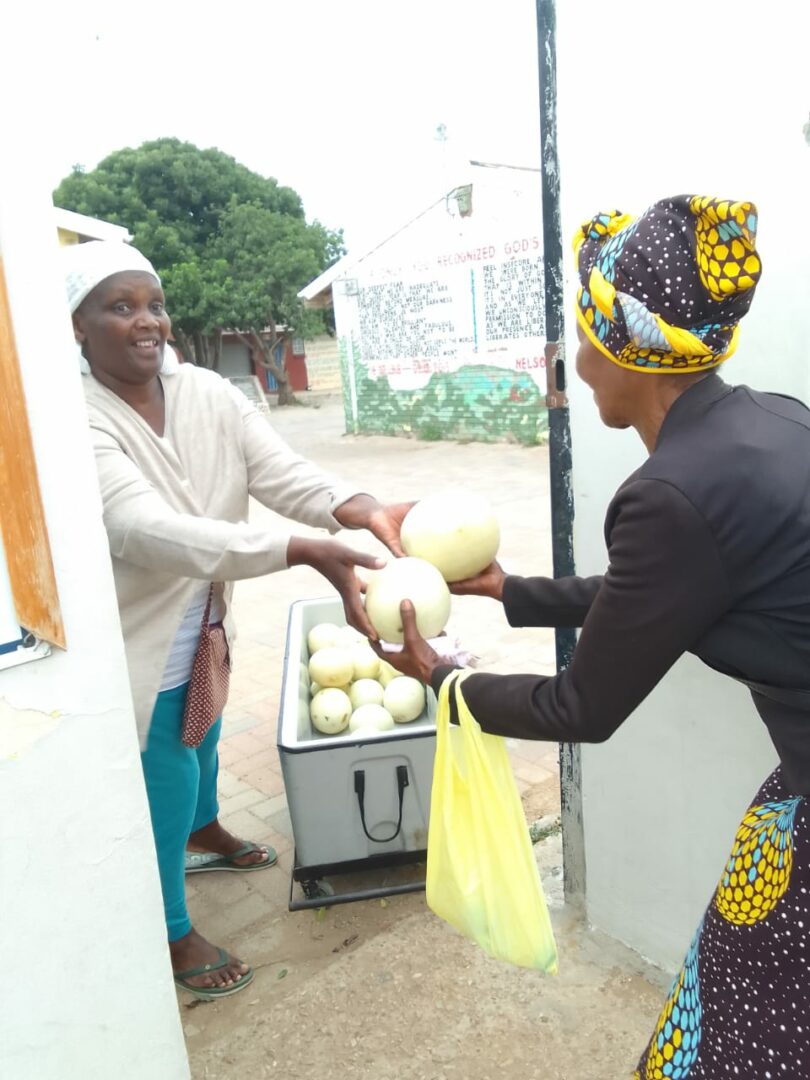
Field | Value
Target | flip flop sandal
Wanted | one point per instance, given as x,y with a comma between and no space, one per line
199,862
211,993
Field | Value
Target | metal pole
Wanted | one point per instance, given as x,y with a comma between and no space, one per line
559,430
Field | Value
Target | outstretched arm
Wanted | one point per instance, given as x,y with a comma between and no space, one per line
665,587
534,601
144,530
296,488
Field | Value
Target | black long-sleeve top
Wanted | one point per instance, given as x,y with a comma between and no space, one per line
709,553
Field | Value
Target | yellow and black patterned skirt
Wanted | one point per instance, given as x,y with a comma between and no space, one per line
740,1005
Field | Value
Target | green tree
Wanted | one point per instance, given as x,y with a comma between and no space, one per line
233,248
269,256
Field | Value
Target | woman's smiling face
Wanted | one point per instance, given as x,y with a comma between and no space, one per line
123,326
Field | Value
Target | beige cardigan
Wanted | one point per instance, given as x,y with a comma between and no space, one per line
176,508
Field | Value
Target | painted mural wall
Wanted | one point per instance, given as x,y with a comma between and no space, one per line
441,330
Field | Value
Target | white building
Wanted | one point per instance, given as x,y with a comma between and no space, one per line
440,326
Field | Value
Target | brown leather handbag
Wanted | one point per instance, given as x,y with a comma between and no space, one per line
210,676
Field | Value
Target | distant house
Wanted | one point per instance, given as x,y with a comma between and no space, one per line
441,326
322,352
73,228
237,360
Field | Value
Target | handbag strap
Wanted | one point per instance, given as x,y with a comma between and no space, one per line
207,612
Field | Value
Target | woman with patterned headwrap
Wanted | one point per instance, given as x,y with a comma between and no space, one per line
708,553
178,452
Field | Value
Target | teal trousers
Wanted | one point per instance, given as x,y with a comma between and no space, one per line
181,784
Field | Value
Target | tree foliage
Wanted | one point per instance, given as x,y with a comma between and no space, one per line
233,248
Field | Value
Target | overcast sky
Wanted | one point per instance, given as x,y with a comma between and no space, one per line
340,100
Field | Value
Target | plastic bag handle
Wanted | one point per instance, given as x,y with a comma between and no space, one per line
453,683
466,720
360,792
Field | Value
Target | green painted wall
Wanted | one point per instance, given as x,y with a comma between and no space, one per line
479,403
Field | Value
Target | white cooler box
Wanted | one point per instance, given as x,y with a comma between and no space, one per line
356,802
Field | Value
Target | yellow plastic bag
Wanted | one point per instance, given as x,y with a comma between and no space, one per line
482,877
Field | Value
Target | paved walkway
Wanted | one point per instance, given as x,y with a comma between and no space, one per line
513,478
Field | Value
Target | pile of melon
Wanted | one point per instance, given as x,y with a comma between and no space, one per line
446,537
352,689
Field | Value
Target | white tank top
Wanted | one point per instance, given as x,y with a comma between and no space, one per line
181,656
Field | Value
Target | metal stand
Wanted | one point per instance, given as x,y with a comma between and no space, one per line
319,893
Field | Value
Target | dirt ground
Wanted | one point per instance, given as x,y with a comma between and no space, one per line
392,993
383,988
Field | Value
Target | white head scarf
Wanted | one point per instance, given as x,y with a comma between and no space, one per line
87,265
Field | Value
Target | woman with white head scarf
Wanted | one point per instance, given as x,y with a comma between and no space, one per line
179,451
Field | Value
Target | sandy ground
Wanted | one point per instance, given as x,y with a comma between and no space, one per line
383,988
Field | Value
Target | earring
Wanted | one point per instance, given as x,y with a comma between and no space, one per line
84,367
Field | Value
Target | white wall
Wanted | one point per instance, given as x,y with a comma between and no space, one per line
655,100
88,992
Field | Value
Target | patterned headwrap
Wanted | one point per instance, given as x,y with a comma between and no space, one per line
665,292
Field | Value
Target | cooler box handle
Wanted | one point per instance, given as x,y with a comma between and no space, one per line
360,792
